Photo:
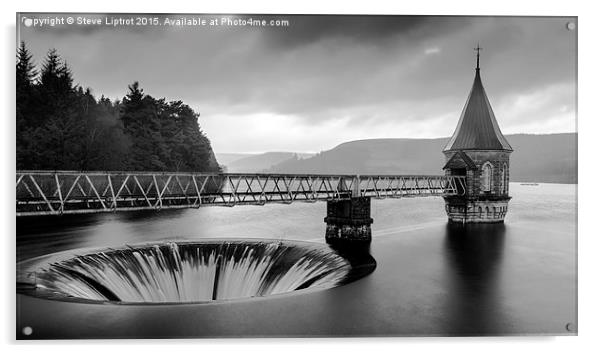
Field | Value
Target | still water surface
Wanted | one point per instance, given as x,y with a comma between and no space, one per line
516,278
545,207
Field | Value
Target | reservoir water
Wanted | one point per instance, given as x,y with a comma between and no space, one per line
431,279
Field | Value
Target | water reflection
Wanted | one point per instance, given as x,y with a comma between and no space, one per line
359,257
38,236
42,235
147,215
474,255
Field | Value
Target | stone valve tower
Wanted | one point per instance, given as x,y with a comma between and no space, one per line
479,151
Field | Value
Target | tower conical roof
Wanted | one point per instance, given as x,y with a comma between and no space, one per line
477,128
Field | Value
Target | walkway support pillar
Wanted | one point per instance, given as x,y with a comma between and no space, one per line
348,221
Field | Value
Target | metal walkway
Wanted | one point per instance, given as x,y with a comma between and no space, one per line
66,192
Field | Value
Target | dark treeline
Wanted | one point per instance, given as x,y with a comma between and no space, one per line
61,126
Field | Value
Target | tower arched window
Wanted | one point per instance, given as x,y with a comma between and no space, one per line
504,176
486,177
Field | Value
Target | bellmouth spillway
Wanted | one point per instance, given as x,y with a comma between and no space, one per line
185,272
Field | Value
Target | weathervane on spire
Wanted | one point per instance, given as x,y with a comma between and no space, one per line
478,49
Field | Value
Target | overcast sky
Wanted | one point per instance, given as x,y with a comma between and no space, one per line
324,80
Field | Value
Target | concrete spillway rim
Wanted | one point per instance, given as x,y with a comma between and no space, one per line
40,262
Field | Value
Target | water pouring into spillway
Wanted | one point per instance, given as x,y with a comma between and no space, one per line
189,271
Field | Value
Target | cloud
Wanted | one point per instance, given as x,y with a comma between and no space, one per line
554,102
367,30
432,50
329,78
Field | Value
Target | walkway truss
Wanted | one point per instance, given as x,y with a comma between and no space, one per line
55,193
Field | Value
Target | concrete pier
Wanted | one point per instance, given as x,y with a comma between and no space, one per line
348,221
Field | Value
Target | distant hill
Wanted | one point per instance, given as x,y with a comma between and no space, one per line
253,163
227,158
536,158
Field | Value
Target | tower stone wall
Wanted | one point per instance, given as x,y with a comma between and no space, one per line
478,205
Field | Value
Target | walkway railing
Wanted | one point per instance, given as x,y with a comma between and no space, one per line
66,192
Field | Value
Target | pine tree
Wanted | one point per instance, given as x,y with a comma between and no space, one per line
25,85
141,122
26,71
60,126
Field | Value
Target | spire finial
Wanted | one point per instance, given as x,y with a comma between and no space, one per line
478,49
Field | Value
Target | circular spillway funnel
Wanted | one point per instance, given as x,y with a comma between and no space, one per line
186,271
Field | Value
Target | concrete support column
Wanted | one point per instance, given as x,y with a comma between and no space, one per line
348,221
